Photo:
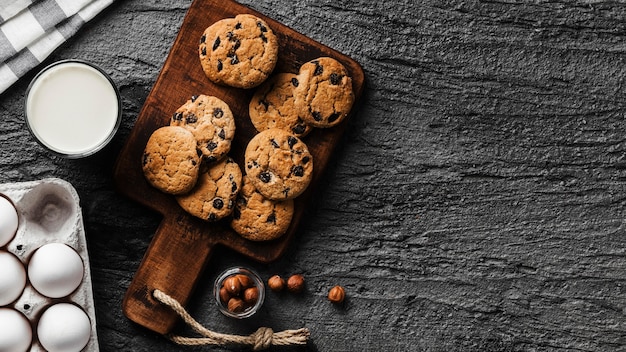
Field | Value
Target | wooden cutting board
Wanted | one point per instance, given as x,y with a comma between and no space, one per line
182,244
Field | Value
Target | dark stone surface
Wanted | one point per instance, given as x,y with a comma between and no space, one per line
476,204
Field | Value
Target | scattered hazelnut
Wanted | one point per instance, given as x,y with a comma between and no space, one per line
232,285
276,283
295,283
336,294
236,305
251,295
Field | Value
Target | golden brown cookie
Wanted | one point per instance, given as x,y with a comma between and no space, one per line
239,52
170,160
214,194
257,218
272,106
211,122
279,164
324,95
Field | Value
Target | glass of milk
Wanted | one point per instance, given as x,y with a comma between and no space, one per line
73,108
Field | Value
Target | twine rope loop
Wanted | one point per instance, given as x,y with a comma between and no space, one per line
261,339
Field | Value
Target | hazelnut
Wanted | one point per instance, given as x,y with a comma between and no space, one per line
295,283
276,283
251,295
232,285
224,295
336,294
244,280
236,305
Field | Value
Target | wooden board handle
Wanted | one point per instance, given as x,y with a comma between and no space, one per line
173,263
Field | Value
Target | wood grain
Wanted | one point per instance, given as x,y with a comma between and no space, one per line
182,244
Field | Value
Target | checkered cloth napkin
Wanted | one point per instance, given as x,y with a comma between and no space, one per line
30,30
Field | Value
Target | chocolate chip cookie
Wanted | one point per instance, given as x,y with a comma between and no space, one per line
211,122
324,95
214,194
279,164
257,218
239,52
273,106
171,160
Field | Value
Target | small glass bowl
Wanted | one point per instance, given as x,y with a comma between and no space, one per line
225,290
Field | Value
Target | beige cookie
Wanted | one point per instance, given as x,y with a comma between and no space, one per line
239,52
273,106
214,194
257,218
324,95
279,164
211,122
170,160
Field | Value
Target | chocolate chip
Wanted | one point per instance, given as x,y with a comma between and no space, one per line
299,129
218,203
199,152
178,116
298,170
234,187
212,217
234,59
210,159
292,141
306,159
217,112
261,27
317,116
263,38
319,69
203,38
222,134
265,104
265,177
335,79
230,204
237,45
216,43
334,116
211,145
231,36
295,82
286,192
219,65
238,25
191,118
274,143
204,51
194,163
271,218
193,98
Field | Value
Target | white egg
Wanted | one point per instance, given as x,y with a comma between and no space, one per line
8,221
12,278
64,327
16,333
55,270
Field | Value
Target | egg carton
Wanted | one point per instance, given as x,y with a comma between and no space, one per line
49,212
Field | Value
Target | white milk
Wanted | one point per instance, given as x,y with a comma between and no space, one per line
72,108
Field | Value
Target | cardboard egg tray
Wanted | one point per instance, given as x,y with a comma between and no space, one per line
49,212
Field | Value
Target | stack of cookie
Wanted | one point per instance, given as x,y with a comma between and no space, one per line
189,157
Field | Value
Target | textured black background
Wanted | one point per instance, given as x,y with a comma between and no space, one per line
476,203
